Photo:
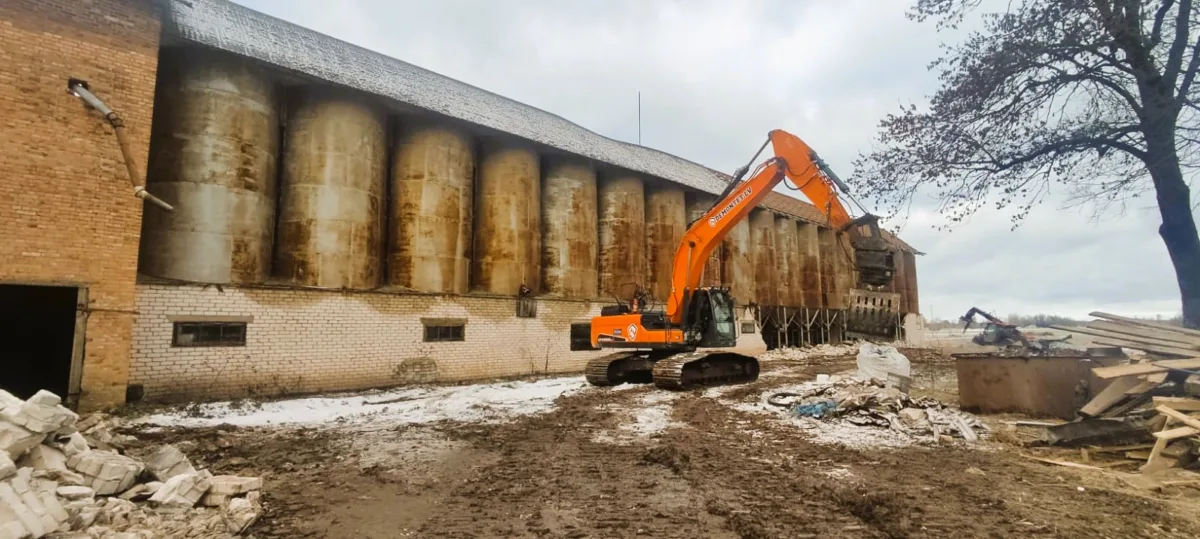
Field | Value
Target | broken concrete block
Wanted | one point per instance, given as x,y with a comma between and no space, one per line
71,444
85,518
33,500
10,525
8,400
136,492
53,507
232,485
75,493
107,473
88,421
241,514
167,462
212,499
16,440
30,520
7,467
44,457
39,415
153,486
182,490
65,477
122,441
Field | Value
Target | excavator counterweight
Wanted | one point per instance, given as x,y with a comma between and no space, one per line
660,346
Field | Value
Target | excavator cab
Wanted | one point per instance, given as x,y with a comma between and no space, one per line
710,322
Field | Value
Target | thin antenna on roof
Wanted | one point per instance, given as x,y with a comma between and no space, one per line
639,117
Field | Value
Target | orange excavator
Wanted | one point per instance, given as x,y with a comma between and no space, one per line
661,346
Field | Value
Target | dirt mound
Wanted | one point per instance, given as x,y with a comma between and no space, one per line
667,455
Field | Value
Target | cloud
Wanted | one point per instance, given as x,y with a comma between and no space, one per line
716,76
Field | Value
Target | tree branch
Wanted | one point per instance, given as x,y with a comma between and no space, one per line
1175,56
1190,75
1156,33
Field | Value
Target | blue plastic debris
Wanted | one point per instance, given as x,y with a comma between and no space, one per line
817,409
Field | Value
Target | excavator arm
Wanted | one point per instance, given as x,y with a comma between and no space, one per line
794,160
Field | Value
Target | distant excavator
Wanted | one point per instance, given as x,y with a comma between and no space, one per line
997,332
660,346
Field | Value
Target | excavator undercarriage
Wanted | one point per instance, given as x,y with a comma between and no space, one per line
679,371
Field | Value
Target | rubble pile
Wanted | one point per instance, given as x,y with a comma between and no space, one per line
69,477
869,403
818,351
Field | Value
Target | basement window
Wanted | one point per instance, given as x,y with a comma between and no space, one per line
444,330
209,334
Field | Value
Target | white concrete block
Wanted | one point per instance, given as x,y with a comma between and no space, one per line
9,400
136,492
181,490
153,486
10,525
71,444
212,499
167,462
16,440
39,417
75,493
65,477
107,473
7,467
44,398
44,457
240,514
30,520
232,485
33,500
53,507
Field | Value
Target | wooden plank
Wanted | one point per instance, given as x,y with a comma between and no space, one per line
1177,416
1110,396
1144,386
1144,332
1177,432
1131,369
1061,462
1157,349
1118,448
1147,323
1181,404
1139,455
1130,341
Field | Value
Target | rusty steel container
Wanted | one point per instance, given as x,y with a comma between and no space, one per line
810,265
331,209
785,251
214,144
831,296
666,222
570,229
622,210
429,211
698,205
737,263
762,245
507,242
910,279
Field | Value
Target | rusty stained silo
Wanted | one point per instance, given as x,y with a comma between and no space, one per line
430,208
214,144
507,245
910,279
762,246
847,272
831,296
331,208
622,210
666,222
570,237
698,205
737,264
899,284
810,265
785,251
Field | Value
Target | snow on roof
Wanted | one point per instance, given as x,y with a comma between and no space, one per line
223,25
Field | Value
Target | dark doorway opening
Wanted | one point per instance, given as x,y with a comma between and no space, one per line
37,333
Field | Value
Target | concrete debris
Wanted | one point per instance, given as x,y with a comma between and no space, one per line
182,490
108,473
818,351
59,486
167,462
864,403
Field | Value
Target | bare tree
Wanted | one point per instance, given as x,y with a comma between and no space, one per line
1093,95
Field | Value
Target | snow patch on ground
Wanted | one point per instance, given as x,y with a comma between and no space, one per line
476,403
649,416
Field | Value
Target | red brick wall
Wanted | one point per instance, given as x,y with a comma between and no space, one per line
67,214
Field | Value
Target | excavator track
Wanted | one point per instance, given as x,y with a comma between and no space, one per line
702,369
619,368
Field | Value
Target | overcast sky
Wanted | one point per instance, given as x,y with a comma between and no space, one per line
716,76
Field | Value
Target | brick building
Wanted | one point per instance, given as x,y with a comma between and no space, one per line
342,219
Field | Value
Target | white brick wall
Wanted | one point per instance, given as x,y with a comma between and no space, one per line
303,341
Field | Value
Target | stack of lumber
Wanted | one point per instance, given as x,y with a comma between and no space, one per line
1155,338
1178,433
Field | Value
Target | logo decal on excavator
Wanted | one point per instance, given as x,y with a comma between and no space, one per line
632,329
712,221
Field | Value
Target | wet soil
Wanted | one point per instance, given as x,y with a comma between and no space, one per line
713,472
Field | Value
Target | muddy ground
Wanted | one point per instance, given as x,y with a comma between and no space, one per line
636,462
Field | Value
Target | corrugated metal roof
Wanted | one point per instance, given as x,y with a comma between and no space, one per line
227,26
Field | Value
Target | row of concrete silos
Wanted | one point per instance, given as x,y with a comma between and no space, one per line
321,187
